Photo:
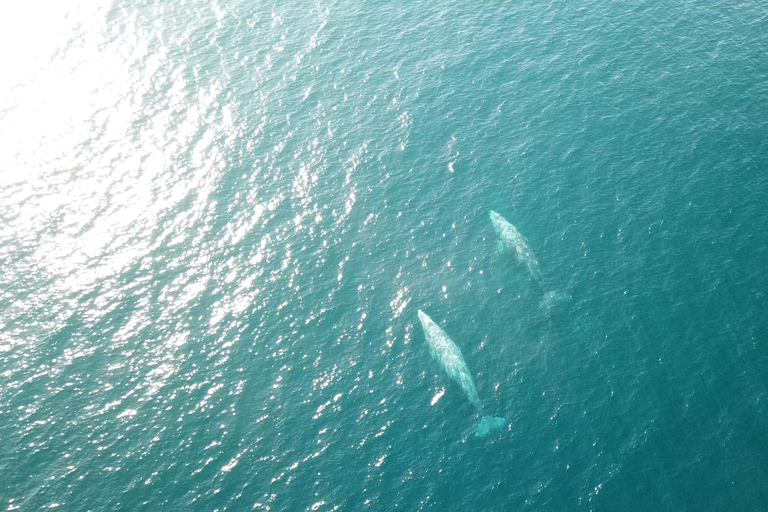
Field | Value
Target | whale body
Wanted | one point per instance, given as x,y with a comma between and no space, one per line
514,243
448,354
510,240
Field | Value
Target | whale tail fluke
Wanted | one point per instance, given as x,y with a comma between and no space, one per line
552,299
489,424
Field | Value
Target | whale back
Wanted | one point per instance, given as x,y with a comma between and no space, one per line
515,243
449,356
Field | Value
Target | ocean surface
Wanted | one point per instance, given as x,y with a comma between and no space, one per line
218,221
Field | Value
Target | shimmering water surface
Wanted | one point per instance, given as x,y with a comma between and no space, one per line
218,220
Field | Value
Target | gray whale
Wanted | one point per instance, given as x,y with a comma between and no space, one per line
449,356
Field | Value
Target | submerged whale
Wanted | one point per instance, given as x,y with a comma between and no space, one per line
510,240
448,354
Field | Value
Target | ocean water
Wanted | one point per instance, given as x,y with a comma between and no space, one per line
219,219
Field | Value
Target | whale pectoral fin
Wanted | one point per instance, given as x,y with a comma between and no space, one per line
489,424
500,249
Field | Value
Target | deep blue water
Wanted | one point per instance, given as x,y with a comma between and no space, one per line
217,223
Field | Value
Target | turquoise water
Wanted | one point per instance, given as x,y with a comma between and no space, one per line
218,221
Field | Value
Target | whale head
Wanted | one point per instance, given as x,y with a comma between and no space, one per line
497,221
426,322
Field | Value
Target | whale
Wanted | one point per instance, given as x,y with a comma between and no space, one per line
449,356
511,241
